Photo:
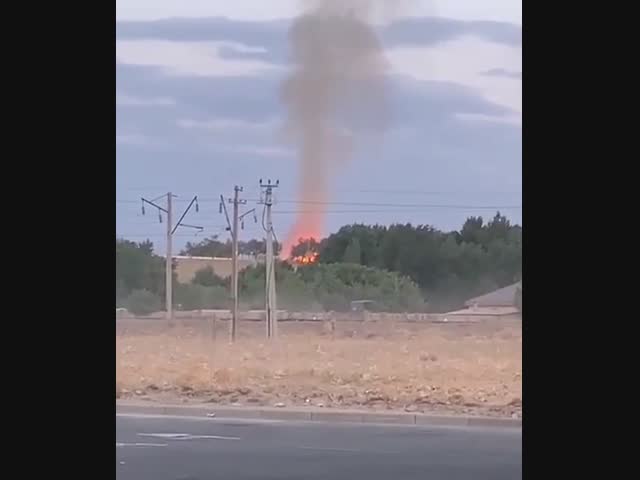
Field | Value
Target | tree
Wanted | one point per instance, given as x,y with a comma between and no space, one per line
498,228
358,262
472,230
449,267
333,248
304,246
212,247
138,268
209,247
208,278
336,285
352,252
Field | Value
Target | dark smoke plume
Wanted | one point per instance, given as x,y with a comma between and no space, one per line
335,93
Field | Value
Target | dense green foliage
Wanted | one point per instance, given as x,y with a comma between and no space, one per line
212,247
332,287
207,278
449,267
137,268
397,266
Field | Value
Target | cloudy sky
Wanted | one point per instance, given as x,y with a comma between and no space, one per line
198,111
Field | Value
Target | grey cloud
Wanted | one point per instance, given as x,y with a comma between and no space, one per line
501,72
245,97
427,138
433,30
427,102
428,108
275,55
454,154
217,29
255,98
272,35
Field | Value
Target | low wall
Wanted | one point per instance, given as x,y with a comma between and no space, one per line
284,315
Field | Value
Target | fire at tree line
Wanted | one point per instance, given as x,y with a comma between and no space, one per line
402,268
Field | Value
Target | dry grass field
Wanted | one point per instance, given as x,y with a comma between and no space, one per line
450,368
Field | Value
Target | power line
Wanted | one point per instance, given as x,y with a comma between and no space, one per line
374,204
431,192
151,235
409,191
340,212
401,205
127,222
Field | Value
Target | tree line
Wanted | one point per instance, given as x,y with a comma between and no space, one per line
140,286
399,267
449,267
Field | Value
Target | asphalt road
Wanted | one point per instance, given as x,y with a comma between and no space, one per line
166,448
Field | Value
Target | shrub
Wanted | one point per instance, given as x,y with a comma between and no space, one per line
198,297
143,302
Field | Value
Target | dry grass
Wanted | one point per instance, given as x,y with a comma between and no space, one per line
419,368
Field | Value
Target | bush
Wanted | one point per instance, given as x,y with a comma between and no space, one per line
198,297
208,278
143,302
121,295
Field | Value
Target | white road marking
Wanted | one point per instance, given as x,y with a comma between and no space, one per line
120,445
186,436
347,450
249,421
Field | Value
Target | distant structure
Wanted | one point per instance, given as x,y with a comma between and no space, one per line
499,303
503,297
186,267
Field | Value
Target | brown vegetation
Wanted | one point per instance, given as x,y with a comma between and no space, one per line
415,367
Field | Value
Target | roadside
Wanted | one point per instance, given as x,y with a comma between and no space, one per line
309,414
419,368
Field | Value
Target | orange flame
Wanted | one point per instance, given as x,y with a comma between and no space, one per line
308,225
306,259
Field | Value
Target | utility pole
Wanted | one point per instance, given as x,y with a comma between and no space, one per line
171,229
271,309
233,228
234,264
168,264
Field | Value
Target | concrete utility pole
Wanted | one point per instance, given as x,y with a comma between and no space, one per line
170,231
234,264
168,264
271,308
233,228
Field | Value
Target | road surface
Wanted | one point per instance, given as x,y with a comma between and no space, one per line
172,448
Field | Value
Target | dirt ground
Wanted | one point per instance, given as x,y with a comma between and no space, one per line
448,368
